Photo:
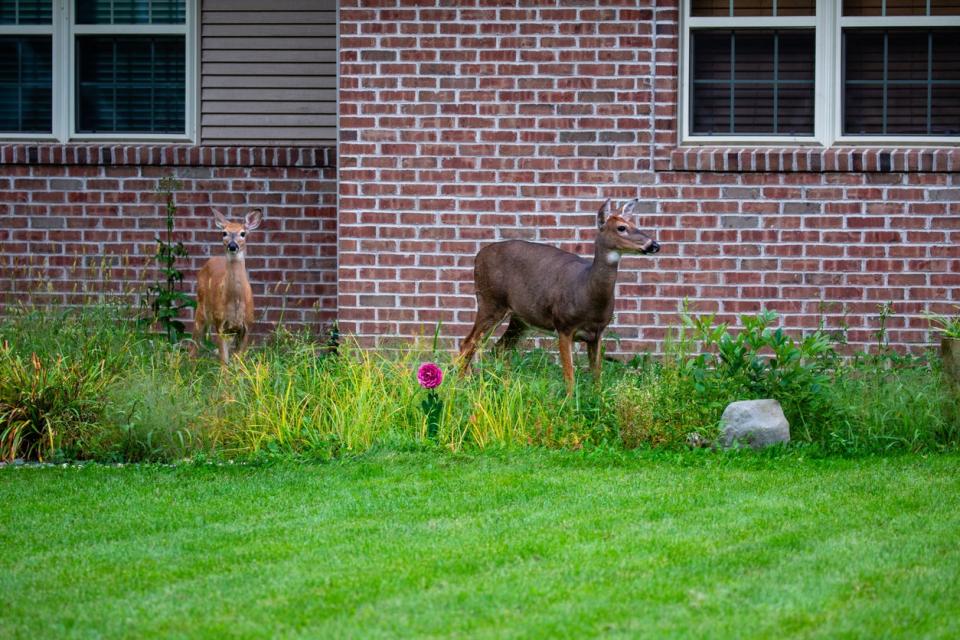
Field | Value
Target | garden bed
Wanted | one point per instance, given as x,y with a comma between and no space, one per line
89,384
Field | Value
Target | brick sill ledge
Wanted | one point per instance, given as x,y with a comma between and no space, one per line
814,160
170,155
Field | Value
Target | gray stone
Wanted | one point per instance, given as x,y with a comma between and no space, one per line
758,423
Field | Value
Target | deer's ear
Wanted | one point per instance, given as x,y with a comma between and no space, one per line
220,219
603,213
629,209
253,219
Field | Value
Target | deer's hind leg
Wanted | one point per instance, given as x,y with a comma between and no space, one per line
489,315
593,354
512,335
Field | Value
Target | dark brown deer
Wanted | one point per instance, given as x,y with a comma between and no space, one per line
542,286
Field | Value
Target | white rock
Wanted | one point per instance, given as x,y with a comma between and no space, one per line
759,423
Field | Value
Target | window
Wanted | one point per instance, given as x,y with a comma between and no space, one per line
96,70
820,71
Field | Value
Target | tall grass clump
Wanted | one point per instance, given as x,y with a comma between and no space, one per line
49,406
301,399
158,412
883,403
86,383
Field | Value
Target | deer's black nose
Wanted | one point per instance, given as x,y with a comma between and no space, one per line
654,248
233,247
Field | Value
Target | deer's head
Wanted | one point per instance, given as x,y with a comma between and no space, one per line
618,233
235,233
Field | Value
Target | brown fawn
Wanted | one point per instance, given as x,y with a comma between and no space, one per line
545,287
224,296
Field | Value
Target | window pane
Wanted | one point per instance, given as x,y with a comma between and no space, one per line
907,109
745,8
906,7
131,11
901,8
754,55
945,111
946,56
796,7
711,109
130,84
795,108
907,55
26,11
796,56
752,82
863,109
867,64
895,80
862,7
710,8
753,108
945,7
26,84
742,8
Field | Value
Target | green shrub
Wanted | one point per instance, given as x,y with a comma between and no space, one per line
156,413
657,408
760,361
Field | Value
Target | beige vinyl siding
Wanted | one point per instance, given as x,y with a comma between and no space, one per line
268,72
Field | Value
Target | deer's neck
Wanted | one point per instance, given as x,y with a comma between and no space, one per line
236,273
602,274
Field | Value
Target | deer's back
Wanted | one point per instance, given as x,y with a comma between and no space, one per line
533,280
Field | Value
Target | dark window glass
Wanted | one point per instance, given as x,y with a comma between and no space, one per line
896,81
901,8
26,12
26,81
752,82
130,84
745,8
131,11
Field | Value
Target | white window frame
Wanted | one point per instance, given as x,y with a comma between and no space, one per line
64,33
828,77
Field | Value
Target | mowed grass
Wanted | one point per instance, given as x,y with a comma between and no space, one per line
525,544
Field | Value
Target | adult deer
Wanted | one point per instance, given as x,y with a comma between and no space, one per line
224,296
542,286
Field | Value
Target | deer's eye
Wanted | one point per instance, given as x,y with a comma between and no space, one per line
243,234
224,234
622,228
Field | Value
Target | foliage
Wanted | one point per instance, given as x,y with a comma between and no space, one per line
949,326
49,406
657,408
166,300
156,415
137,398
758,361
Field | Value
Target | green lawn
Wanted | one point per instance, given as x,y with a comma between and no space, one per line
526,544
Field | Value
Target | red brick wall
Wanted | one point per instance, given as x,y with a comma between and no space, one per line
80,220
482,120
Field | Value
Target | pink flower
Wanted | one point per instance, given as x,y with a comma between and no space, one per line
429,375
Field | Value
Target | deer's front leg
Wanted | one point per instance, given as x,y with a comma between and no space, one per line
224,348
593,353
243,339
566,359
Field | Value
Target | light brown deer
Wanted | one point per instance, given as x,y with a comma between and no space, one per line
224,296
545,287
